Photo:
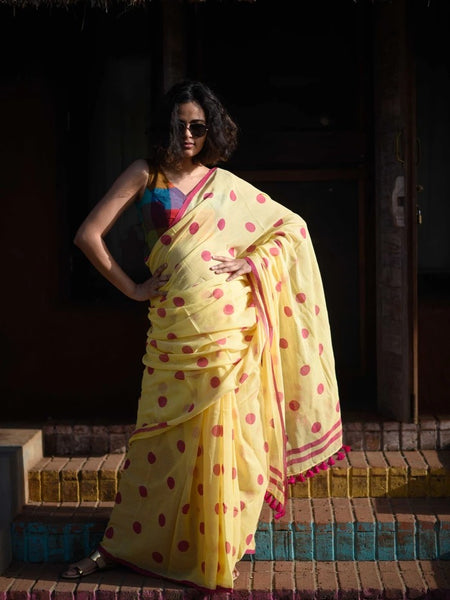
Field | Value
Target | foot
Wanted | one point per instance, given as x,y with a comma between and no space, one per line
92,563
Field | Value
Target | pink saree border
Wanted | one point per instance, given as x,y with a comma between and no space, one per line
190,196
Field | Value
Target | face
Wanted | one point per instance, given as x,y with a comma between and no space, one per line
191,113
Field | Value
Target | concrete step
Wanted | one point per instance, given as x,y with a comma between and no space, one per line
361,474
321,529
258,580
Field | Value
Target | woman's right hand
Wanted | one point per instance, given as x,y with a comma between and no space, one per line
151,287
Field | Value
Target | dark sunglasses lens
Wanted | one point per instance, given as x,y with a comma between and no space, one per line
197,129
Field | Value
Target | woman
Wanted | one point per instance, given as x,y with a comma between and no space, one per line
239,396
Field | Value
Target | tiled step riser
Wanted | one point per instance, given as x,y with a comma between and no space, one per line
360,475
36,542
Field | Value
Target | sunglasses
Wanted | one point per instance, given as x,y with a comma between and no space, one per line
197,130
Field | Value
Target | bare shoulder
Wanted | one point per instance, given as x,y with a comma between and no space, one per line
138,169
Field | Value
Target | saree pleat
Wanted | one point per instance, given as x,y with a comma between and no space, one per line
238,392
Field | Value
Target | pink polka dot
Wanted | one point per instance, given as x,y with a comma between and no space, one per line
181,446
118,498
150,370
143,491
248,539
187,350
171,336
266,447
320,349
294,405
250,418
233,473
283,343
206,255
260,198
202,528
199,451
232,196
232,252
217,430
162,401
161,312
250,226
185,509
200,489
305,333
248,338
287,311
190,408
151,458
278,223
260,479
161,520
242,505
274,251
170,483
202,362
228,309
137,527
178,301
320,388
126,464
222,341
217,508
217,293
303,232
300,297
305,370
166,239
225,508
109,533
157,557
316,427
221,224
208,195
227,547
214,382
164,357
338,406
194,227
316,309
243,377
179,375
216,469
265,262
251,248
272,423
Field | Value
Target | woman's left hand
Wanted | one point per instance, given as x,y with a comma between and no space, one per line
235,266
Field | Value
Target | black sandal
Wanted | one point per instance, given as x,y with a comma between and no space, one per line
86,566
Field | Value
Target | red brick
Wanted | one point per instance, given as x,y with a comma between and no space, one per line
327,584
305,580
262,576
393,585
412,577
370,579
348,580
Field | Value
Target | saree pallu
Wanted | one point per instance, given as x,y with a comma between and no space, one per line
239,395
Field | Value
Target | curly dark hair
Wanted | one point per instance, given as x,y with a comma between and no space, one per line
220,141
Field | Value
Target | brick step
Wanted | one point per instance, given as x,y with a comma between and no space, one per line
321,529
361,474
258,580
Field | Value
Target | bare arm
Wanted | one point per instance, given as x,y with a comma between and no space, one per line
89,237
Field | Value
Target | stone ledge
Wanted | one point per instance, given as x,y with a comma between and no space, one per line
20,450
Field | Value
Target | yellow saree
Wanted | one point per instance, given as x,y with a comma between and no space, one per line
239,395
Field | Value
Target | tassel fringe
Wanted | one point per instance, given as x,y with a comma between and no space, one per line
277,506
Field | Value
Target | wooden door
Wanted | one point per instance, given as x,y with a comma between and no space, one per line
299,89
